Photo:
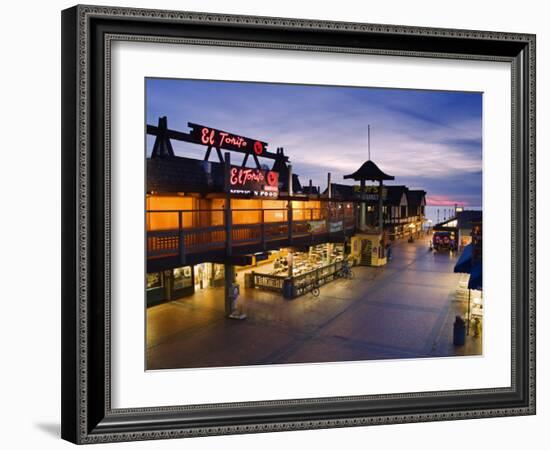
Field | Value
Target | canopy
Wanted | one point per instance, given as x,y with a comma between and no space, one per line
464,263
369,171
476,277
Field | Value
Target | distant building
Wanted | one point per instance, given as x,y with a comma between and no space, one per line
403,211
464,224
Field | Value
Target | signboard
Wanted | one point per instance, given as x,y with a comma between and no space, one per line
212,137
371,192
334,227
250,182
316,226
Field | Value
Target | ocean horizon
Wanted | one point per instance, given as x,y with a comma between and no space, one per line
438,214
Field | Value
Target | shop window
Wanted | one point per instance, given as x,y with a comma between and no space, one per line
218,272
154,280
182,278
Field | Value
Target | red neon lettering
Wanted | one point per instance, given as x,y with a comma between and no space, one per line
226,138
222,137
258,148
242,176
207,136
233,178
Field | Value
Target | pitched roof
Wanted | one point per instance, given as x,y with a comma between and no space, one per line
416,198
313,190
341,191
463,219
394,195
280,165
179,174
467,217
369,171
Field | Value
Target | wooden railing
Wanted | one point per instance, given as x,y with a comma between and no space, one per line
177,232
399,220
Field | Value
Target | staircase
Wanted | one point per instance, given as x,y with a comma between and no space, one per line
366,254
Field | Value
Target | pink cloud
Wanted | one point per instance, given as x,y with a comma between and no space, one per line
442,200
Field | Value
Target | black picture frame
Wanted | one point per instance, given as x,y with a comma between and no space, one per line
87,416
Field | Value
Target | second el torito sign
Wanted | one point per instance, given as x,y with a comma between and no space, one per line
247,182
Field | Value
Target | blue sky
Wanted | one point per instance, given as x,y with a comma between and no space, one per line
429,140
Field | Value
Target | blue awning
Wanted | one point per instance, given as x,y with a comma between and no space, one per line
464,263
476,277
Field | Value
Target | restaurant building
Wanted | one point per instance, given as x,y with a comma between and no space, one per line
463,225
211,223
208,221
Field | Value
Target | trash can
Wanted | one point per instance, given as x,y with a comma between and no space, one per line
249,280
288,288
459,331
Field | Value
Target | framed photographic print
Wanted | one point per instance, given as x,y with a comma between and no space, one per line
267,222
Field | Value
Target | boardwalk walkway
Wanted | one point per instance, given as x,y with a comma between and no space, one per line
403,310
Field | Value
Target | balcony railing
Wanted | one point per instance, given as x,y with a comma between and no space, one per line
400,220
179,232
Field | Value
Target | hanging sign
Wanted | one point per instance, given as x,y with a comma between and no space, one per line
212,137
316,226
335,227
250,182
370,193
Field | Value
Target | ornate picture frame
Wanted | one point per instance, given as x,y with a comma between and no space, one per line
87,35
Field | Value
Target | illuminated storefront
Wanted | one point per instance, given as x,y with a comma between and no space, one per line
462,225
294,272
204,217
470,263
210,223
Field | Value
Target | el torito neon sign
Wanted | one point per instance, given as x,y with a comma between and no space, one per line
242,180
212,137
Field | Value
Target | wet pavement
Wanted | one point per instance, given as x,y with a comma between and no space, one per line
402,310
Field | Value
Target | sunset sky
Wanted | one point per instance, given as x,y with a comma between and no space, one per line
429,140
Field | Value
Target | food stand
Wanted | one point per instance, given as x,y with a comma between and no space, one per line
295,273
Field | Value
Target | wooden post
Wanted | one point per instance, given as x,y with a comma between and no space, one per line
289,216
228,215
362,208
229,270
380,208
181,239
290,184
468,325
262,229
